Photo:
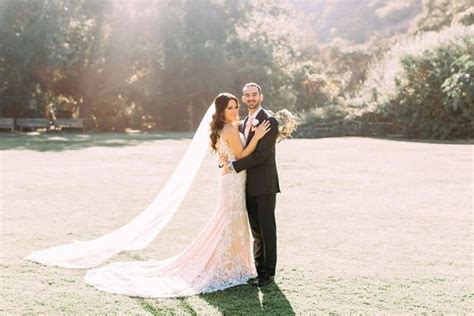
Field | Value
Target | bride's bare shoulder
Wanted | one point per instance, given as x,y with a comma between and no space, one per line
229,129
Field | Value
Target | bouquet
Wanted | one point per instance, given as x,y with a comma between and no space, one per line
287,123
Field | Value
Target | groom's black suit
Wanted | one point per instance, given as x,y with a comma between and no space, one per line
261,188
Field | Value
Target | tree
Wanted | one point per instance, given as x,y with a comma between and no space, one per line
428,91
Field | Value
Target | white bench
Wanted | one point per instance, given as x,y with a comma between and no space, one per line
32,123
69,123
7,123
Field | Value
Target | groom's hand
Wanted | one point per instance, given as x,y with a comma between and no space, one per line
223,160
226,168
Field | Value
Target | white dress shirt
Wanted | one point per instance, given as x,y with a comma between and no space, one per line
248,125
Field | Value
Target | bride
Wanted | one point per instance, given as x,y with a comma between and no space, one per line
220,257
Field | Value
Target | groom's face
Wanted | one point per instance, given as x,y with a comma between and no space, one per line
252,97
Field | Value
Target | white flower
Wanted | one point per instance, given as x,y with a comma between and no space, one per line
287,124
255,122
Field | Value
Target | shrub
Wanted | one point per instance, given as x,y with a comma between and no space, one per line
425,85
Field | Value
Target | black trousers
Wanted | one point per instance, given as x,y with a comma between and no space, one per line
261,211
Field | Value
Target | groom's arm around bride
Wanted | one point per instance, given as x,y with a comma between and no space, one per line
262,175
265,148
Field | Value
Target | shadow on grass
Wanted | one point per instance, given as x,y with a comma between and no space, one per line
74,141
239,300
250,300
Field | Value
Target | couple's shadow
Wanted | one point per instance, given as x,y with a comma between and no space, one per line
250,300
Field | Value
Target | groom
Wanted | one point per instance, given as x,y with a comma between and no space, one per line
262,185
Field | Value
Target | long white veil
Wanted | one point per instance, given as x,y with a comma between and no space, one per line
139,232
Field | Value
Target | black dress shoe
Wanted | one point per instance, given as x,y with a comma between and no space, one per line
252,281
262,281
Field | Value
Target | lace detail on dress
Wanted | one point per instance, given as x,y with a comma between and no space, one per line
223,148
220,257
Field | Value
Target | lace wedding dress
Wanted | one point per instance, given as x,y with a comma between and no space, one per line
220,257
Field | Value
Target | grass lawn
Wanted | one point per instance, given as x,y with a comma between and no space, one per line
364,225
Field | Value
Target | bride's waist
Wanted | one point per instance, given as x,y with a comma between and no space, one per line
233,173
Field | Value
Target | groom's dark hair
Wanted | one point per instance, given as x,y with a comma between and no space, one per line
252,84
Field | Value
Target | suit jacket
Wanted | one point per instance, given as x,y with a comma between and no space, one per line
262,174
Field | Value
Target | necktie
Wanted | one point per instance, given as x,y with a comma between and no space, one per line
247,127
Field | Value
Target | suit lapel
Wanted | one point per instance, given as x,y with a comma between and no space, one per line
261,116
249,138
242,126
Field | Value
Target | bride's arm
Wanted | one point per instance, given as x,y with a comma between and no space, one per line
231,135
262,152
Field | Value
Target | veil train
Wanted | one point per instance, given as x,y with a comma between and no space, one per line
140,231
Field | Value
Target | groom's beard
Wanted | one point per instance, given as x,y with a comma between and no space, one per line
253,106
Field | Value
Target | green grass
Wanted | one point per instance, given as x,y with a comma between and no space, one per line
240,300
59,141
365,226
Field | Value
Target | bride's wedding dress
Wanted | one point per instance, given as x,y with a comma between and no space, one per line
220,257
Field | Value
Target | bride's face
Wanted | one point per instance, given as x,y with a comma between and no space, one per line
231,113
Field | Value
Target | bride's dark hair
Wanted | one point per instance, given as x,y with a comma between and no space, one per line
217,123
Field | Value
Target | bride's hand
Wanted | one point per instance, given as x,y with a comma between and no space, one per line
223,159
262,129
